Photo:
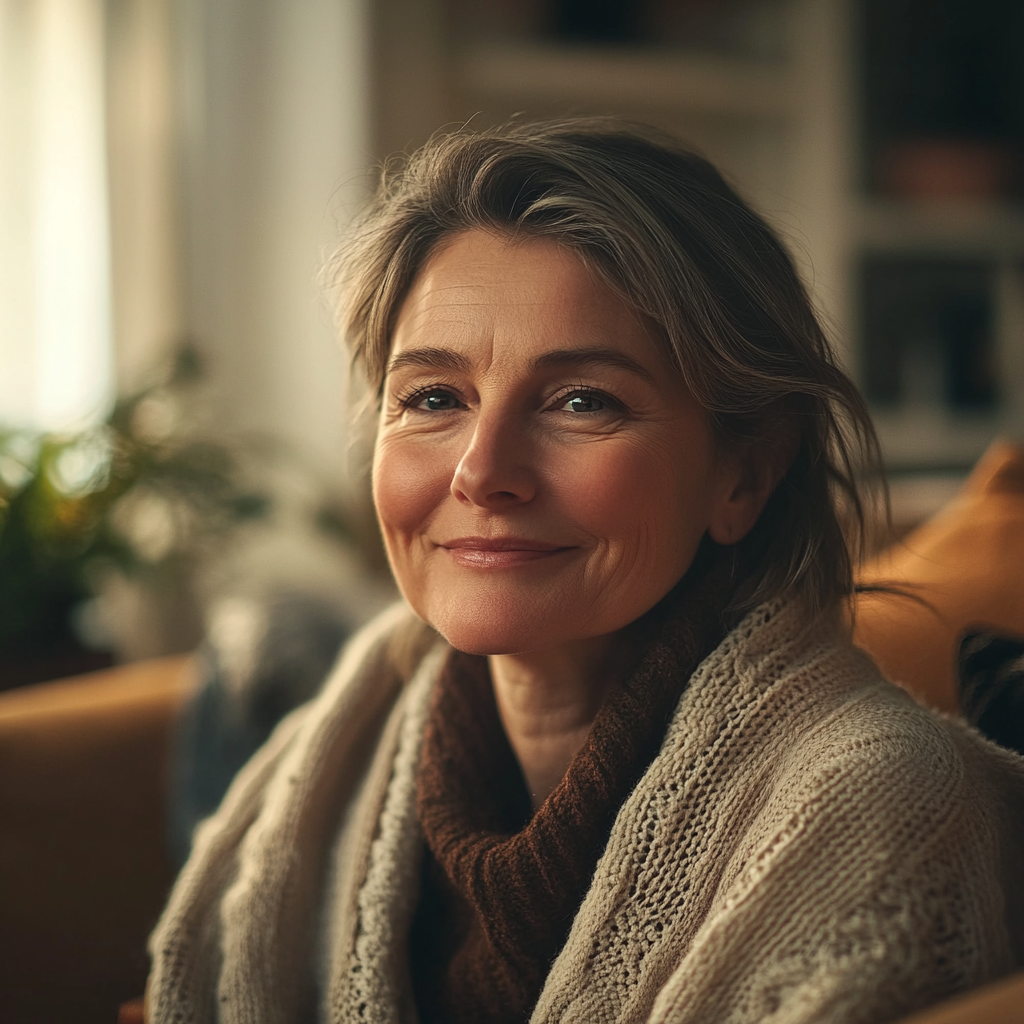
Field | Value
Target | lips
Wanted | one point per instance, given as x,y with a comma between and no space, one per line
500,552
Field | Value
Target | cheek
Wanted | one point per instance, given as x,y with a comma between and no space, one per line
633,494
408,483
607,493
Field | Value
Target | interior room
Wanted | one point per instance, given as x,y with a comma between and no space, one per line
186,524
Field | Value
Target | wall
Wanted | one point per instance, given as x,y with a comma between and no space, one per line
274,147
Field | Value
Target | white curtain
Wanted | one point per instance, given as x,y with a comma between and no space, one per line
276,148
171,169
55,310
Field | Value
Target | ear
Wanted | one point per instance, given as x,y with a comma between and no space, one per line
750,474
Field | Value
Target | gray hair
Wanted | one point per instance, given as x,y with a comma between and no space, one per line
663,228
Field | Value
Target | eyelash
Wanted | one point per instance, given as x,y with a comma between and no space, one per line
410,399
581,390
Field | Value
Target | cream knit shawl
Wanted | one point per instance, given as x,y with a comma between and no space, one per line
808,845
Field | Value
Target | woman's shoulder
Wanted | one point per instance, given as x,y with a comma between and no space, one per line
831,719
914,773
800,797
851,785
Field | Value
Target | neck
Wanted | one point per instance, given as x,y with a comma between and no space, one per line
547,701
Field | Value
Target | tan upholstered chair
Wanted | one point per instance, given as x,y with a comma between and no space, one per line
1001,1003
967,562
83,869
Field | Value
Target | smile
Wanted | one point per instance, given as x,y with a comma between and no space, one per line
500,552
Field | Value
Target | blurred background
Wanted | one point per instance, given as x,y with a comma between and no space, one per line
174,407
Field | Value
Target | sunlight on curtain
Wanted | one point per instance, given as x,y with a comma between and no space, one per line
55,335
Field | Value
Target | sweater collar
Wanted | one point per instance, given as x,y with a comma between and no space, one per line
502,885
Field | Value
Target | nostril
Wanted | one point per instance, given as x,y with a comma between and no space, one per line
482,497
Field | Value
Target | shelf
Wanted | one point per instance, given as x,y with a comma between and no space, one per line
954,228
688,82
937,439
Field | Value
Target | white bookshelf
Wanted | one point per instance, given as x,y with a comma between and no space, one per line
991,233
785,130
696,83
968,229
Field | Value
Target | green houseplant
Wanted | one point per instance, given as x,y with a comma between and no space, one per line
138,493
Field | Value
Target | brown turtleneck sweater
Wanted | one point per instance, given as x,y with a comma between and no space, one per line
501,885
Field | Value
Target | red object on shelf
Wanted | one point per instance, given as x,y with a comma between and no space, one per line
132,1013
945,169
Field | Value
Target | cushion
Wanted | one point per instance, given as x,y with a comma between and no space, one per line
967,563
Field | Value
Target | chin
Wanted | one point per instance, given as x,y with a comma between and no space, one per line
491,626
479,636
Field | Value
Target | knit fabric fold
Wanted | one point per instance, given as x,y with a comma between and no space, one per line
501,885
804,842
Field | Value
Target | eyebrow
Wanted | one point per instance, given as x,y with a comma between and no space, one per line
580,357
432,358
429,358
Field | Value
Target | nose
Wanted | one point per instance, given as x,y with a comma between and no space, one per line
495,470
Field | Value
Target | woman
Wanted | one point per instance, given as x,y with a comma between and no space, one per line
614,757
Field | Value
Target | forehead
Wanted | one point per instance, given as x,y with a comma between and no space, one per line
533,290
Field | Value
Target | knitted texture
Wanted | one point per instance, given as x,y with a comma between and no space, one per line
490,924
808,845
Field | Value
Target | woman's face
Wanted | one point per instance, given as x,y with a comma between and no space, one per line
541,473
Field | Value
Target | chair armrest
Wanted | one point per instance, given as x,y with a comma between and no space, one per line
83,866
999,1003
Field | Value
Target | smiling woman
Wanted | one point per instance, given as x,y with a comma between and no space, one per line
614,757
541,474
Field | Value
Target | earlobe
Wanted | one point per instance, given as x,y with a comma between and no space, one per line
746,487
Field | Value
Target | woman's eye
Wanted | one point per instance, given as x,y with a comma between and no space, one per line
585,402
434,401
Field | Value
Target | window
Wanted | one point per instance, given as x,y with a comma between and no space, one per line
55,334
